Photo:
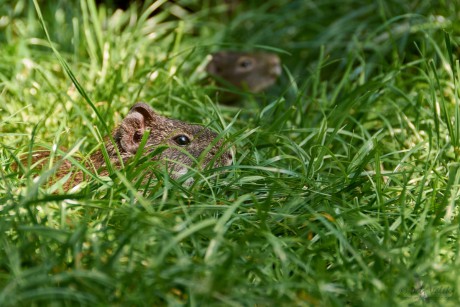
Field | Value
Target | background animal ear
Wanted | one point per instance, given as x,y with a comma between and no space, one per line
213,66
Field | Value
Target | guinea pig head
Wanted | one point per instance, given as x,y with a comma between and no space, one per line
186,145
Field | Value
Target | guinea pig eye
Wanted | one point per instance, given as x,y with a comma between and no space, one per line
245,63
182,140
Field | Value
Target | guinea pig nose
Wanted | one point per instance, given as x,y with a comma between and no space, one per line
275,66
229,160
275,61
276,71
229,155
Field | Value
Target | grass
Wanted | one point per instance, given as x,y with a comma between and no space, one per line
344,188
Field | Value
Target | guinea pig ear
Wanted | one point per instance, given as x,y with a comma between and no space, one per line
131,130
144,110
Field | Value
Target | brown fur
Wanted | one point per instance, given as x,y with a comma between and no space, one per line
185,144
